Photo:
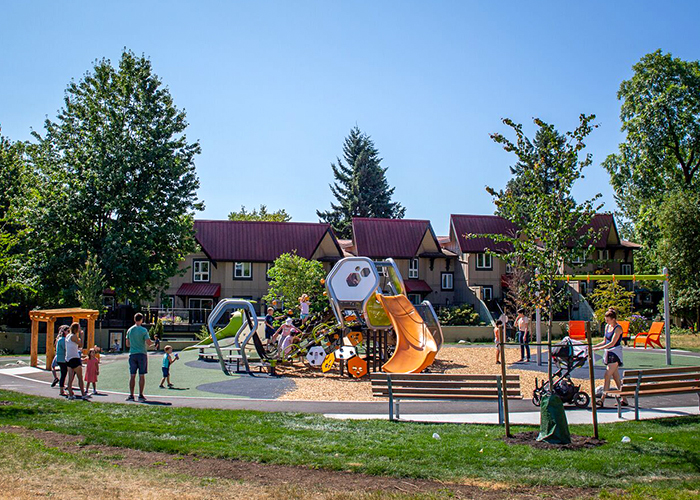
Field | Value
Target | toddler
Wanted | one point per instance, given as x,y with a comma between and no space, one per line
92,370
167,361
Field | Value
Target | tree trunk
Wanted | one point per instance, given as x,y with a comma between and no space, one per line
549,348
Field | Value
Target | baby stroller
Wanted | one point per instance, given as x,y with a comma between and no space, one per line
567,355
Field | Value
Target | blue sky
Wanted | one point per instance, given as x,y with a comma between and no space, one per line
272,88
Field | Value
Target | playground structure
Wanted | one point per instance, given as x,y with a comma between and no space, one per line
49,316
376,327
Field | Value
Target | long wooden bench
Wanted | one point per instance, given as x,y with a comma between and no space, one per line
440,387
656,382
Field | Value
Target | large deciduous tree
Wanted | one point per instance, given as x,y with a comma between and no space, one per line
118,182
660,116
361,188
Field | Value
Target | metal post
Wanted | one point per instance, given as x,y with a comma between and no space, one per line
499,386
538,323
391,397
506,419
667,318
591,374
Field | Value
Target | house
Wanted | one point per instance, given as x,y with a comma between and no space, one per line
234,257
427,269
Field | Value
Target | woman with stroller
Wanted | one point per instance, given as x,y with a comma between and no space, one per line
612,357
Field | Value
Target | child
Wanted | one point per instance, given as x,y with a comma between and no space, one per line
497,340
284,336
92,370
167,361
304,306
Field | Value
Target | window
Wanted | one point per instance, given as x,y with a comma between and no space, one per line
201,303
483,261
167,301
583,287
626,269
242,271
268,266
381,270
200,271
447,281
415,298
486,293
413,269
603,254
579,259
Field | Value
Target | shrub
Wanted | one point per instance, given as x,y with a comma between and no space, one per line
463,315
156,329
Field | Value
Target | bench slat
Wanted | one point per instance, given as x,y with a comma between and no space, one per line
661,378
661,371
445,385
431,392
404,397
663,392
436,376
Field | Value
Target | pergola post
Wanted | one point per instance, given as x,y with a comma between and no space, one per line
34,350
50,345
90,331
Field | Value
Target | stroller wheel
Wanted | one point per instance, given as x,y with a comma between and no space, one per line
536,397
582,400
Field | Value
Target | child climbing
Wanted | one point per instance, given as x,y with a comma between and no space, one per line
304,303
168,360
283,336
92,370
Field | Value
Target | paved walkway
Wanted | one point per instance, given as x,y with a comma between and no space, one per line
37,382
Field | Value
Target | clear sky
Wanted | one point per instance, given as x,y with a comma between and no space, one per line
271,88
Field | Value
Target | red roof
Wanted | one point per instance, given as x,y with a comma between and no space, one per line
396,238
199,290
417,286
254,241
482,224
601,224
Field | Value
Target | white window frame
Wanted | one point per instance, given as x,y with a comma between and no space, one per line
268,266
447,281
579,258
484,290
604,254
381,270
239,269
485,258
200,299
624,266
415,298
172,301
198,275
413,267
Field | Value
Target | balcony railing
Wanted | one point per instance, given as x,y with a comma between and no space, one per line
176,318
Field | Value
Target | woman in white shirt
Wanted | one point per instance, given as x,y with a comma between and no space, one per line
522,324
74,359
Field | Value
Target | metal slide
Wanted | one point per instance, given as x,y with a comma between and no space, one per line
416,348
250,322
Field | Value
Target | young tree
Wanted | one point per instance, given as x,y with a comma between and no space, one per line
280,215
291,276
660,116
118,183
609,294
554,228
361,188
679,251
90,282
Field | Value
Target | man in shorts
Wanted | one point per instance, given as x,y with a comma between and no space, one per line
138,341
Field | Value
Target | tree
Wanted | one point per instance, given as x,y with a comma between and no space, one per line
280,215
118,182
660,116
554,228
290,277
90,282
361,188
610,294
679,251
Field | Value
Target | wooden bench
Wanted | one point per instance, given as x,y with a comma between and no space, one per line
656,382
440,387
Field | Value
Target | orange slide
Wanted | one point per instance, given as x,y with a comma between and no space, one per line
415,346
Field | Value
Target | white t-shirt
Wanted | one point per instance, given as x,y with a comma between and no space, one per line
304,306
72,349
523,324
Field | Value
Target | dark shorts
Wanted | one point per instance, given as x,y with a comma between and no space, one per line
612,358
166,372
138,363
74,363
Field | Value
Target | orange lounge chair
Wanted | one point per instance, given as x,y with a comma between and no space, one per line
625,331
577,330
652,337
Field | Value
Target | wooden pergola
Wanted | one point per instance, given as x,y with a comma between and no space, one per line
49,316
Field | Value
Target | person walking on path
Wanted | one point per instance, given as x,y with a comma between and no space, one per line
61,358
522,324
74,360
92,370
138,341
612,357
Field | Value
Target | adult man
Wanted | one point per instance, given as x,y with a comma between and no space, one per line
138,341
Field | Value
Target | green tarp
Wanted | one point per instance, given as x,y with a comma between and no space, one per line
554,428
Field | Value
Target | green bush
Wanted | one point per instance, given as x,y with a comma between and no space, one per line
156,329
463,315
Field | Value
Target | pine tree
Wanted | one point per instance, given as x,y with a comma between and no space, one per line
360,187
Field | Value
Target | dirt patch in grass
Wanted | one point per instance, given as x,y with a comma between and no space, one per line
311,481
577,442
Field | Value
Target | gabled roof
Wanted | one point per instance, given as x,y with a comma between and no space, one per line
602,224
481,224
395,238
254,241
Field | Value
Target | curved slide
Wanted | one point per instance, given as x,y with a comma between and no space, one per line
415,347
229,330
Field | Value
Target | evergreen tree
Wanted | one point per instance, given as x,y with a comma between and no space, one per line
360,187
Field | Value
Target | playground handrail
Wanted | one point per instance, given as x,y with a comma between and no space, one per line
216,314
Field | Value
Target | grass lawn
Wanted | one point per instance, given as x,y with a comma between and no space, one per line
666,466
